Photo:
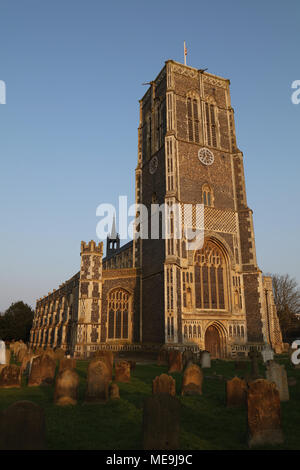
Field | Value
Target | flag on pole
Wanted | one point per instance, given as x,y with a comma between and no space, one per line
185,52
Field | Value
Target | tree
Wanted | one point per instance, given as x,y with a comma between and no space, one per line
287,301
16,322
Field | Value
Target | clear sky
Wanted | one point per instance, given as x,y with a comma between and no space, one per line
68,132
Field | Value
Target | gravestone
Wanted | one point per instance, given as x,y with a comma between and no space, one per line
10,376
205,360
7,356
122,371
236,392
162,358
267,353
22,427
67,363
59,354
254,356
25,366
66,388
164,383
161,422
2,352
187,357
276,373
175,361
21,351
114,392
108,358
264,417
132,365
98,378
42,371
192,380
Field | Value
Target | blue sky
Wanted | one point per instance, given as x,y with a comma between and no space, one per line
68,132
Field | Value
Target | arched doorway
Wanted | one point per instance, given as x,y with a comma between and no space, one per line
213,341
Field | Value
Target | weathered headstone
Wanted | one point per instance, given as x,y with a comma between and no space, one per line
254,356
22,427
25,366
67,363
164,383
192,380
264,417
10,376
162,358
98,378
276,373
122,371
66,388
236,392
161,422
7,356
187,357
114,392
132,365
175,361
59,354
205,360
42,371
267,353
108,358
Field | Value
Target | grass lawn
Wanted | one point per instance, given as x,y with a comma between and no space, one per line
206,423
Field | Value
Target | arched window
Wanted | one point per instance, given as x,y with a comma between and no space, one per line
193,120
210,277
211,130
207,195
118,314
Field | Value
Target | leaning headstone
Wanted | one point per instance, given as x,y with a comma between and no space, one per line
42,371
10,376
192,380
67,363
164,383
267,353
205,360
276,373
66,388
236,392
175,361
98,378
162,358
2,352
264,417
22,427
114,392
161,423
122,371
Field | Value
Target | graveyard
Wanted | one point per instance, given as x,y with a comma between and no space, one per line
206,420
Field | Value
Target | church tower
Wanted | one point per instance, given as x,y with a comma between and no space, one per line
214,296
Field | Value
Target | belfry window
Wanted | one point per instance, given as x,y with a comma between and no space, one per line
193,120
211,130
118,314
210,278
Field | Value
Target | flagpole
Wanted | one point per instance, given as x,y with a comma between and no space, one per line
184,52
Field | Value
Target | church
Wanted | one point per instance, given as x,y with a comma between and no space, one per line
160,292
